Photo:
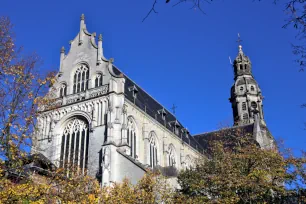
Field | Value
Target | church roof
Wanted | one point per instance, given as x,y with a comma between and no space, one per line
205,138
154,109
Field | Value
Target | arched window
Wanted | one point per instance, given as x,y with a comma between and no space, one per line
243,105
252,88
74,146
188,162
171,156
241,66
98,80
63,90
80,79
131,137
153,151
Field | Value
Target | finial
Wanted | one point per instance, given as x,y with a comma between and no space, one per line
100,37
240,49
82,17
63,49
111,60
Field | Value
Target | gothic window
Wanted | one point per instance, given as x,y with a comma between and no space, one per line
241,88
131,137
98,80
254,104
74,146
243,105
153,151
63,90
187,162
80,79
171,156
252,88
241,67
245,116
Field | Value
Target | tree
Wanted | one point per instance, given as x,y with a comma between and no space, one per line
21,89
238,171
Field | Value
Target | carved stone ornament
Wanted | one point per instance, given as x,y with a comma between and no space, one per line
98,91
106,158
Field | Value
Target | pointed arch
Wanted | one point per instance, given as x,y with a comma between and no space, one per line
74,143
62,89
132,136
171,156
188,162
153,150
98,79
81,78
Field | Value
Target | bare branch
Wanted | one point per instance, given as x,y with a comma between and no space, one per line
152,9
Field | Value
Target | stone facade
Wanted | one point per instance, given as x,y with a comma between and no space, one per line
109,126
100,123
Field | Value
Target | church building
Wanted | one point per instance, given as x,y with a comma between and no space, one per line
109,126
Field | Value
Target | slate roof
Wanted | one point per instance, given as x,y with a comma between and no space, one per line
204,138
150,106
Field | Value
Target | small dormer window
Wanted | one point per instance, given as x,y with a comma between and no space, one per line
98,80
245,66
241,88
163,113
252,88
176,130
134,91
241,66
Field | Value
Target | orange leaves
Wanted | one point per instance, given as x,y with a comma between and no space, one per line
21,92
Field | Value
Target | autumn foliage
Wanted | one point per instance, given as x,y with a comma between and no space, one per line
239,171
21,91
236,170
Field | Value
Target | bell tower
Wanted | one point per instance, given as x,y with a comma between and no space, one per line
246,97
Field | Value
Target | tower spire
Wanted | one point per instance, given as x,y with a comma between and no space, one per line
246,95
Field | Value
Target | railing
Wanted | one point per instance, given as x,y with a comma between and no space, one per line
90,93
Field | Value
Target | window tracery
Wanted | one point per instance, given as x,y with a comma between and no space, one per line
80,79
153,151
171,156
188,162
131,137
98,80
74,146
63,90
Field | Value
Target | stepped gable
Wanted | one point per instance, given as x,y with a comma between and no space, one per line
150,106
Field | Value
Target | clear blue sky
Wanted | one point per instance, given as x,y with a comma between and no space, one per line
180,55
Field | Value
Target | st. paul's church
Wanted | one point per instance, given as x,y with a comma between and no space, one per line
109,126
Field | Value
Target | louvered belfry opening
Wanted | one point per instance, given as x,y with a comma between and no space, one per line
74,145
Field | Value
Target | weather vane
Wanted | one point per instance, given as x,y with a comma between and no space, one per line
239,39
